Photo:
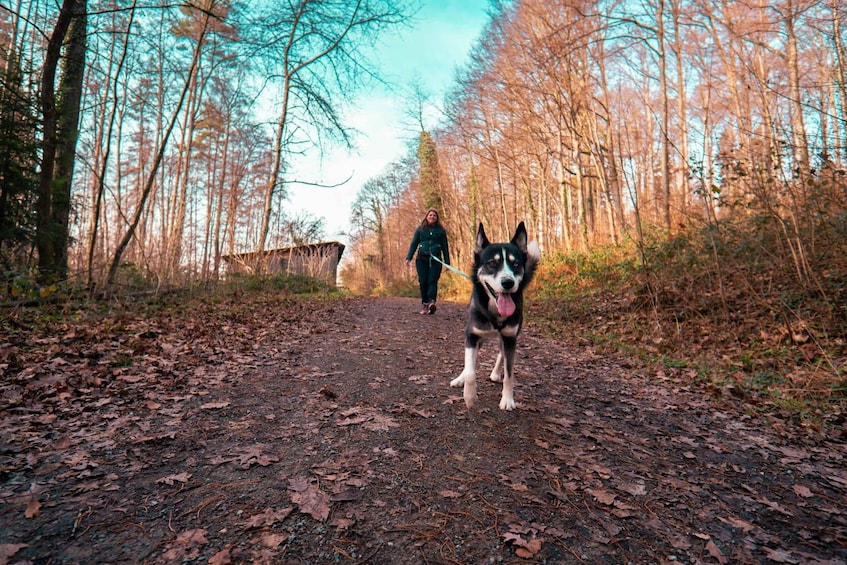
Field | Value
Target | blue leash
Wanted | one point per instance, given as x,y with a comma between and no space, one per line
450,267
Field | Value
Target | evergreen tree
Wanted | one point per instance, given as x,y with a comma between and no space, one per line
18,164
430,172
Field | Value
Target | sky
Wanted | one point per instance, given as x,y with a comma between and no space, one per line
428,52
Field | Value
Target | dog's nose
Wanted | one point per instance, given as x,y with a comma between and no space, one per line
507,284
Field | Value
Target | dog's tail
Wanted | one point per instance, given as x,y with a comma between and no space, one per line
533,256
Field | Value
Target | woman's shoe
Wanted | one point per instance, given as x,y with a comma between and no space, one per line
424,309
431,308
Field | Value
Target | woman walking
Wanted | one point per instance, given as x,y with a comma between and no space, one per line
430,242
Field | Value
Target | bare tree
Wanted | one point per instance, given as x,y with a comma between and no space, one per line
199,39
310,50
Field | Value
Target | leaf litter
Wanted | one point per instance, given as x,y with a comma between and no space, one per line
271,429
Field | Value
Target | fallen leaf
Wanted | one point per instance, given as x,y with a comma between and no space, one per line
743,525
342,523
775,506
635,489
380,423
525,549
254,455
221,558
353,421
33,507
273,540
131,379
715,552
679,541
268,518
62,443
193,537
514,538
603,496
529,550
7,550
449,494
214,405
803,491
186,545
171,479
309,498
780,556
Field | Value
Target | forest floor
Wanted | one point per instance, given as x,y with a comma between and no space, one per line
271,429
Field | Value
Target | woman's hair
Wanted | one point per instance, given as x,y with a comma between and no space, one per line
437,218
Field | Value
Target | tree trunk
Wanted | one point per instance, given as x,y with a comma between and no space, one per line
176,229
840,73
663,80
276,168
798,124
682,109
47,238
106,145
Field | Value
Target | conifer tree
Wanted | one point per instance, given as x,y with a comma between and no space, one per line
430,172
18,163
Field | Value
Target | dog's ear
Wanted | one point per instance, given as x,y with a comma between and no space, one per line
481,240
519,238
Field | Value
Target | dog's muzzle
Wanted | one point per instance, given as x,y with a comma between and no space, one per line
505,304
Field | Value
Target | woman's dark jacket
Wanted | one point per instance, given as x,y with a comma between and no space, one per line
430,241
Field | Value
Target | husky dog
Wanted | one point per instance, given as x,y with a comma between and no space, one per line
501,271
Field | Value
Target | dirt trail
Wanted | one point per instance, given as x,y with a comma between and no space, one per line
328,434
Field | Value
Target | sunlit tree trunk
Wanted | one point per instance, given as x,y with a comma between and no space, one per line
173,243
104,144
665,115
682,109
798,123
220,192
840,72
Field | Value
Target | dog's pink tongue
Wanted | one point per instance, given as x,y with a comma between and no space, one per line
505,305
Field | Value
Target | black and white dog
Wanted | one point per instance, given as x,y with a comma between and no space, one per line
501,271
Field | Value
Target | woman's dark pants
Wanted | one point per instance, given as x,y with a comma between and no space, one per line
429,271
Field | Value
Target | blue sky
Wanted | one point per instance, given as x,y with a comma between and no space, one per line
429,52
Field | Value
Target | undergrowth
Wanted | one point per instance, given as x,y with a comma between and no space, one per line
725,307
64,302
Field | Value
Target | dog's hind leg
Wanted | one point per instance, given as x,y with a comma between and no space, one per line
468,376
507,348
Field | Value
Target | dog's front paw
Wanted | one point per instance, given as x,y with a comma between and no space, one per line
468,380
470,393
507,403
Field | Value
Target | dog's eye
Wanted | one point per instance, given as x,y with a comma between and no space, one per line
494,263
